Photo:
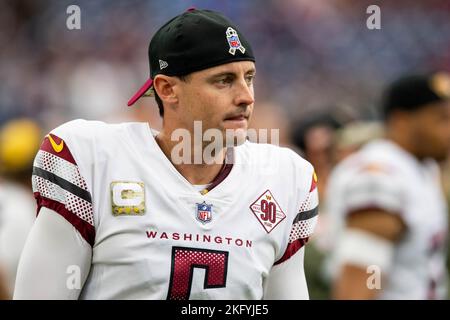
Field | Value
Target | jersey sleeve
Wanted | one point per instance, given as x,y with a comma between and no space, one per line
305,220
59,184
286,281
374,186
53,253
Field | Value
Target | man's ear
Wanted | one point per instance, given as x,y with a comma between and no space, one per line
164,87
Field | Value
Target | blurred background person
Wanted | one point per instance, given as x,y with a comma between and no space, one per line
351,137
19,141
388,214
314,136
336,140
347,140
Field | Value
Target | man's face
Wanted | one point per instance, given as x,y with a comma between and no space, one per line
221,97
431,128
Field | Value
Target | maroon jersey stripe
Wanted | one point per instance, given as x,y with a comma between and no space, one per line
57,146
313,183
291,249
221,176
86,230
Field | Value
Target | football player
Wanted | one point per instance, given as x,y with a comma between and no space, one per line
388,212
121,217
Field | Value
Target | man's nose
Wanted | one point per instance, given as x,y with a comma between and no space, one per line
244,93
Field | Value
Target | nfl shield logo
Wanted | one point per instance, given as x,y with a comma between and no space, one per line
233,41
204,212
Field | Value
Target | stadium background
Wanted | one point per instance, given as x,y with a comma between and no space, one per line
314,58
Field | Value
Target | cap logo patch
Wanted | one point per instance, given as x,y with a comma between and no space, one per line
233,41
163,64
440,84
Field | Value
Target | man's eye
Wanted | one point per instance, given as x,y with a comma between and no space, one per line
224,81
249,79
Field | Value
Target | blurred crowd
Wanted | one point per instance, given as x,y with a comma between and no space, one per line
321,72
311,55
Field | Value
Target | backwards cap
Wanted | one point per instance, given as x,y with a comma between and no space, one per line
193,41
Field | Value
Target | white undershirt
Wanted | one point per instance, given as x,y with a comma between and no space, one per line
200,187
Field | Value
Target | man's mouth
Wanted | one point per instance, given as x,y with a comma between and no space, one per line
239,117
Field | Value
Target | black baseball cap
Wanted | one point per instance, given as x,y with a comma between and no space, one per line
193,41
412,92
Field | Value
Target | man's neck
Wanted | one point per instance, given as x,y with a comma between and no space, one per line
403,142
196,173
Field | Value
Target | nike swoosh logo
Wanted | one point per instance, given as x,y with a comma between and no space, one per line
57,147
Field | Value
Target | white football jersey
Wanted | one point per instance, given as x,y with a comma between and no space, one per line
384,176
153,234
